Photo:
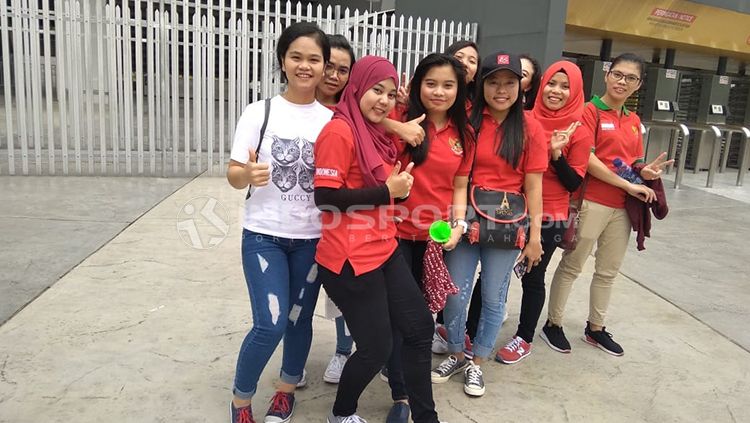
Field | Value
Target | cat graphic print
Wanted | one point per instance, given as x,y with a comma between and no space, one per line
292,163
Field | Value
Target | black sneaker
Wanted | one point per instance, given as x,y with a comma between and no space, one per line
603,340
282,408
473,380
449,367
242,414
554,337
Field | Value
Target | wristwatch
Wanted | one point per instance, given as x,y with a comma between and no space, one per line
462,223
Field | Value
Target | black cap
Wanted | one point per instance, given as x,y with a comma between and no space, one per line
501,60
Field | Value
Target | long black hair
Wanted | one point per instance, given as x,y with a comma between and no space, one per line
536,79
457,111
301,29
511,146
460,45
340,42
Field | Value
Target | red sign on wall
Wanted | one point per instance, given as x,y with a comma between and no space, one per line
673,15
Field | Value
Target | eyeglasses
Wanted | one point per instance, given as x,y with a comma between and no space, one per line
630,79
342,71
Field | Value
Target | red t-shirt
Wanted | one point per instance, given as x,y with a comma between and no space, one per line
555,197
619,135
431,195
493,172
364,236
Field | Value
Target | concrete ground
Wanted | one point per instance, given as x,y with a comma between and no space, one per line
50,224
148,327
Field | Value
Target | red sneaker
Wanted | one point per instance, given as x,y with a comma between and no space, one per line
516,350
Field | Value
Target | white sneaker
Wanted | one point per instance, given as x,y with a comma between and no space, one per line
303,382
348,419
439,343
334,369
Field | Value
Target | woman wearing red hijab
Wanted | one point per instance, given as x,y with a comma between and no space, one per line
558,109
357,180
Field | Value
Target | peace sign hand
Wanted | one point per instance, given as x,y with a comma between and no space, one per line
654,169
561,138
402,95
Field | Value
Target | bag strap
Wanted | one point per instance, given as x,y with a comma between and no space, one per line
267,107
579,202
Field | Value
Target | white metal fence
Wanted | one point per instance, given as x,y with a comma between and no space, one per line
155,87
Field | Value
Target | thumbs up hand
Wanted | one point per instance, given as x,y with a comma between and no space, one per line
399,183
258,174
412,131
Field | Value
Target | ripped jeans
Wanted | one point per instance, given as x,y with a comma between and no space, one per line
281,276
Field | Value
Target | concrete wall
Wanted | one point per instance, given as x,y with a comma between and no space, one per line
536,27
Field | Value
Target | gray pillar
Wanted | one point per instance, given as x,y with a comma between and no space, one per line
721,69
605,51
536,27
669,59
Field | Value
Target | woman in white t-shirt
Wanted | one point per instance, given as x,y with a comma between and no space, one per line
281,223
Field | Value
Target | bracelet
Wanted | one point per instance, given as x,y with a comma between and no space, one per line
462,223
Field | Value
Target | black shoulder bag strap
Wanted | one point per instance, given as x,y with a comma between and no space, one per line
262,133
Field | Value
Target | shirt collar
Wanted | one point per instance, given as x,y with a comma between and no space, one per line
448,125
597,101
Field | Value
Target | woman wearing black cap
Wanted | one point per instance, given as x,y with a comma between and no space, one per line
511,156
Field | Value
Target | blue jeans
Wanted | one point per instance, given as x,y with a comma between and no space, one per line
462,265
281,276
344,342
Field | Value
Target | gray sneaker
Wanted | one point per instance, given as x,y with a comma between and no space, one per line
473,380
348,419
449,367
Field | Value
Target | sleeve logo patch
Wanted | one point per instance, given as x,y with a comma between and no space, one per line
326,172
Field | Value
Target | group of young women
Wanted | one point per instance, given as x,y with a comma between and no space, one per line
344,185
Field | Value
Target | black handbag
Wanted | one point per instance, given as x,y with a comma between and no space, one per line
497,219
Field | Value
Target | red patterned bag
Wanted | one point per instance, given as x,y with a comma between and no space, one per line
436,281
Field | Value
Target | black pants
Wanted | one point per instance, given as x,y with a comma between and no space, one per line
534,292
413,252
373,304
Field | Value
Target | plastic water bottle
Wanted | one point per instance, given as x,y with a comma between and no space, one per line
626,172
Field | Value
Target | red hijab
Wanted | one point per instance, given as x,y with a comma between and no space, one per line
372,145
573,109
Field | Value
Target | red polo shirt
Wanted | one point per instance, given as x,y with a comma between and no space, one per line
431,195
619,135
364,236
492,171
555,197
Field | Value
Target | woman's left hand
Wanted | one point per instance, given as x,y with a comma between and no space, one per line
654,169
532,253
456,234
561,138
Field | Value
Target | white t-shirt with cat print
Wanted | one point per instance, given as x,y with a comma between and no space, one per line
285,207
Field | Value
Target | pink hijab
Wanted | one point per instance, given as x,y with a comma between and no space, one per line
372,145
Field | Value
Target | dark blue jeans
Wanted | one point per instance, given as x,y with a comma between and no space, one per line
281,276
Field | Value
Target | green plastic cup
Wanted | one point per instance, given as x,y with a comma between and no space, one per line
440,231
